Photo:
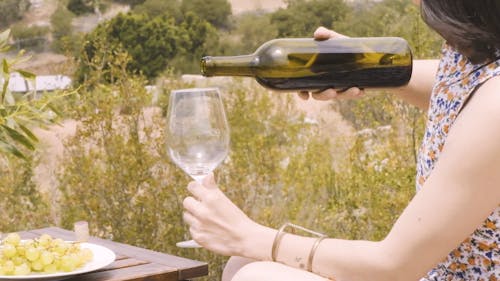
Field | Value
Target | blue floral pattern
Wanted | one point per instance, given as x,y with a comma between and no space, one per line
478,257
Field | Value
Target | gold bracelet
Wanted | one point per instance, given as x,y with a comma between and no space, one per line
277,240
281,232
313,251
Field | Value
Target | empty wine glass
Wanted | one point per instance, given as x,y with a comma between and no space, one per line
197,133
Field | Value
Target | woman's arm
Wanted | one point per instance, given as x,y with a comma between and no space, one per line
461,192
418,91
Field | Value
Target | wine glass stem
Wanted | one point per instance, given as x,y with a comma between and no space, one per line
199,178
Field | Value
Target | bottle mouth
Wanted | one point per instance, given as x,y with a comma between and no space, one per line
205,64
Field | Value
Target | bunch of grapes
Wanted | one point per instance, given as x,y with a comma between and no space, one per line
41,255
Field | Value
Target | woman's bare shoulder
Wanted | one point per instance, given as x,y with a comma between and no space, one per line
487,96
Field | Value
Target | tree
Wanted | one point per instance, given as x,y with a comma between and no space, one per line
153,8
301,17
132,3
62,29
201,40
153,44
150,42
216,12
255,29
80,7
392,18
11,11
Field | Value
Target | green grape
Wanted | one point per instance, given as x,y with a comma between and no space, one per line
18,260
13,238
57,241
41,255
9,250
32,254
45,240
50,268
47,257
37,265
61,248
8,267
21,250
68,263
22,269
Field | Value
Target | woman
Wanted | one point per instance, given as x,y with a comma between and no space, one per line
451,229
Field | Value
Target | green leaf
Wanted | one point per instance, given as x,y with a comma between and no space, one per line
26,74
4,90
5,66
55,110
4,36
28,132
18,137
9,148
8,98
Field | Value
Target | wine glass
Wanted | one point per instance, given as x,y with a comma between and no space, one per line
197,133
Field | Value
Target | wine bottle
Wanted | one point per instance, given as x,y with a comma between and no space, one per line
308,64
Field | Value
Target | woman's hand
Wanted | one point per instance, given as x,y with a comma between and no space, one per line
215,222
352,93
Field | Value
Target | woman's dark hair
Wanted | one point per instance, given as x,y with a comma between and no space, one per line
470,26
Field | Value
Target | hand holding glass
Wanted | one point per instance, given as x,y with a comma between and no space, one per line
197,133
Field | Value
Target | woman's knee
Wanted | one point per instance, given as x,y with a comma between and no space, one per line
251,271
233,265
271,271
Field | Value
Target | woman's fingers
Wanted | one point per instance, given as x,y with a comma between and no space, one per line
193,206
353,93
323,33
304,95
209,181
190,220
325,95
197,190
330,94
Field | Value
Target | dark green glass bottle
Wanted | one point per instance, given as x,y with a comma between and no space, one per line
308,64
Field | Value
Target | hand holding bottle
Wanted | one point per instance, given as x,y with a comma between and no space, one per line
323,33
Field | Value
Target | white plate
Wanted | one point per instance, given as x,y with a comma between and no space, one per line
102,257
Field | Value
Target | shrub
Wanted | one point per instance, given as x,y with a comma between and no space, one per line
29,37
23,206
62,29
301,17
81,7
216,12
11,11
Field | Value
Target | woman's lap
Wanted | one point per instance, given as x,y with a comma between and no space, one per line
248,270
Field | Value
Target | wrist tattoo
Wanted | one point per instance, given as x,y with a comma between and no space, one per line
299,261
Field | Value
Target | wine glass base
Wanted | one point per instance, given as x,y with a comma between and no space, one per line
188,244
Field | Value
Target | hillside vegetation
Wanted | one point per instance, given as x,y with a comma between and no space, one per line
347,171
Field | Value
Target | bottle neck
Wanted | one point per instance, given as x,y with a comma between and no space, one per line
227,66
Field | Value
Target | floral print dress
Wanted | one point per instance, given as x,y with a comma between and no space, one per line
478,257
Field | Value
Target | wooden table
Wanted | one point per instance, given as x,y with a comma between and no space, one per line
132,263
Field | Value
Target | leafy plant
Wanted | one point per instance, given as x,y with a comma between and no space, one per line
18,115
22,205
